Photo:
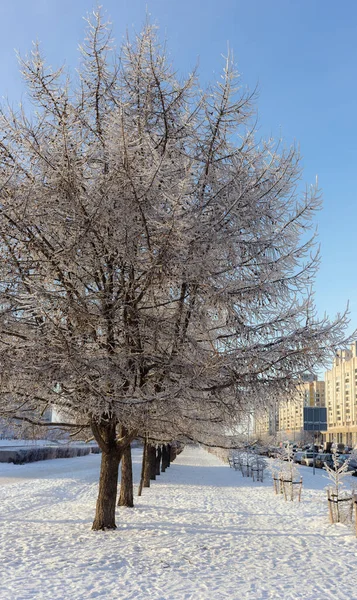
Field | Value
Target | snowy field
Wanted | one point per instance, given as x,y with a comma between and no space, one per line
201,532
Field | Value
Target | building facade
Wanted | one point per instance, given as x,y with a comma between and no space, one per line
286,421
341,397
310,392
338,393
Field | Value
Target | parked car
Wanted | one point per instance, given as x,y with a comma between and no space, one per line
297,456
312,447
353,466
352,463
262,450
273,452
327,459
307,458
339,447
323,459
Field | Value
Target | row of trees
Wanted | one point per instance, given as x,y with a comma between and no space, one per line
155,460
156,258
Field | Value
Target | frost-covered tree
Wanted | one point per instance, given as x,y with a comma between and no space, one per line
156,259
339,499
337,472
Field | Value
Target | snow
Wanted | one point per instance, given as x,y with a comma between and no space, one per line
25,443
200,532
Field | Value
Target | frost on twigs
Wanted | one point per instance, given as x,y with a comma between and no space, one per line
249,464
286,476
257,468
157,257
340,500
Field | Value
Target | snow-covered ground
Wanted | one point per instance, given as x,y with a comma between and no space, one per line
26,443
201,532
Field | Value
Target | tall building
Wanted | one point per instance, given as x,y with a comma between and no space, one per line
341,397
286,421
291,412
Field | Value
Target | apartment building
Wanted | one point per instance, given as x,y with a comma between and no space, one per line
286,421
341,397
310,392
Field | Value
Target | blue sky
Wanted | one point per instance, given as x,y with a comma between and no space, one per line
301,54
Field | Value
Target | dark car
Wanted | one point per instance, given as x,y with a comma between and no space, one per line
327,459
352,462
339,447
273,452
353,465
322,459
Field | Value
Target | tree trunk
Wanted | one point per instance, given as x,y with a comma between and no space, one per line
153,462
158,460
164,458
142,469
126,497
147,466
168,454
172,453
105,434
107,495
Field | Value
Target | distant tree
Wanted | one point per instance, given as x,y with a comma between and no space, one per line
156,264
126,496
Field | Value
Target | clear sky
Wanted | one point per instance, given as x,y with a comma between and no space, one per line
302,55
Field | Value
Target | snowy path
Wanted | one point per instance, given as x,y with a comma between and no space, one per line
201,532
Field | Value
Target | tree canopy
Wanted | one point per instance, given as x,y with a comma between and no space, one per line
157,258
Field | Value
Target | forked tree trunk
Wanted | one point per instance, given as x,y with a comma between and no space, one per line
153,462
158,460
126,497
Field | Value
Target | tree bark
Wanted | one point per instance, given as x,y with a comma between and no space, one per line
147,466
158,460
172,453
126,497
142,469
105,434
168,454
164,459
152,462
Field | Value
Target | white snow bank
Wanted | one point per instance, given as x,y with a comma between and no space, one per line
26,443
201,532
